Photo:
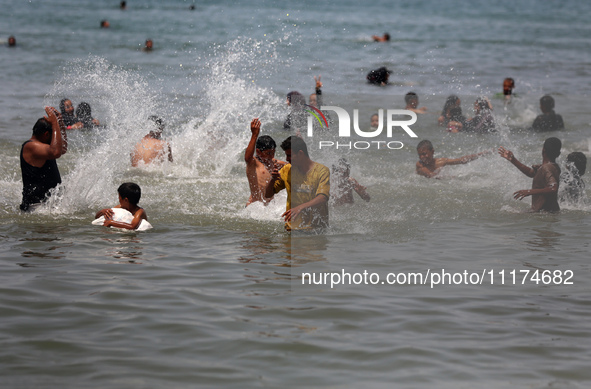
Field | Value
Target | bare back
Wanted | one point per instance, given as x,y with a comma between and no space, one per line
547,175
150,149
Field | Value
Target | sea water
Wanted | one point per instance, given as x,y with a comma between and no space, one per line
217,294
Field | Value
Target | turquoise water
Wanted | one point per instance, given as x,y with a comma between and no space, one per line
213,295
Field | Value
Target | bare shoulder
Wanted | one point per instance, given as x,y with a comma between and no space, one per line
440,162
141,213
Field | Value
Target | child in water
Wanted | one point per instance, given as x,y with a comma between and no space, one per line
572,185
345,185
546,177
129,197
430,167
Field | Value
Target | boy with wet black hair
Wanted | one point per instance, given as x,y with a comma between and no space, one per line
548,120
129,197
412,103
430,167
572,185
546,177
260,166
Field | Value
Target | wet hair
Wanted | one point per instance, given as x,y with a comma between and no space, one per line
425,143
84,113
104,23
342,166
512,81
41,127
410,96
11,41
378,76
450,102
265,142
482,103
296,98
579,160
547,103
387,36
295,144
157,121
455,114
552,147
63,105
130,191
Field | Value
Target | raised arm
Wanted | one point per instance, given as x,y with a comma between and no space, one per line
169,153
508,155
360,189
255,128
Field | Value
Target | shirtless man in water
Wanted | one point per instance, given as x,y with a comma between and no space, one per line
259,167
151,147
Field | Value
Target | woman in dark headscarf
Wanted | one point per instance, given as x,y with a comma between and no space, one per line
84,116
67,110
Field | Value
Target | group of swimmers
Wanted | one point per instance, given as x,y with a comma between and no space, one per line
547,176
80,119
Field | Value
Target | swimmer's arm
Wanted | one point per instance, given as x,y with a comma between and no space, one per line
270,188
508,155
135,223
169,153
107,212
295,211
520,194
37,151
464,159
360,189
255,128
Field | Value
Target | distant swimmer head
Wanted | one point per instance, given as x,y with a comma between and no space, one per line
552,148
149,45
66,107
342,167
578,160
375,120
157,121
130,191
83,111
105,23
508,85
11,41
547,103
411,99
378,76
425,151
482,104
295,98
